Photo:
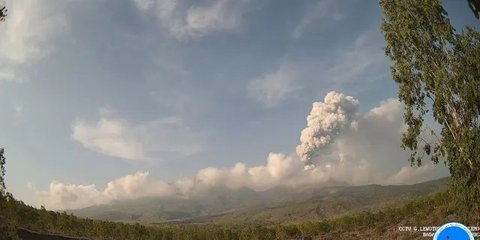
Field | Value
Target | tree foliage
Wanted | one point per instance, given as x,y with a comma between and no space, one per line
474,5
438,73
2,173
16,214
3,13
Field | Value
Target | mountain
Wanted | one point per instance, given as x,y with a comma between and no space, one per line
277,205
435,209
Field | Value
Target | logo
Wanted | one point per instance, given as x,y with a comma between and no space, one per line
453,231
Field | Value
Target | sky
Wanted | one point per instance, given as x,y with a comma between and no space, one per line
110,100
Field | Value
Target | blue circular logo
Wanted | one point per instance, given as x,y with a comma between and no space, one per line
453,231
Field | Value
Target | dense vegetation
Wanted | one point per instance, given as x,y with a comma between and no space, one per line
3,13
437,70
431,210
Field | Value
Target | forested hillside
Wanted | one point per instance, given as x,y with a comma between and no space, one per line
384,223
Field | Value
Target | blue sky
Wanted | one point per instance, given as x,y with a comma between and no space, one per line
95,90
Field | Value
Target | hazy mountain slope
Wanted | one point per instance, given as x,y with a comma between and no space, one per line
431,210
340,202
272,206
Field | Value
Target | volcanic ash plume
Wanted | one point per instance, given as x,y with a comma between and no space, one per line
325,121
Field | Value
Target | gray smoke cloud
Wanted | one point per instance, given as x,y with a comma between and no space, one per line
337,144
324,123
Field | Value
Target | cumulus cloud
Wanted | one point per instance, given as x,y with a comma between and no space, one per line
110,137
71,196
273,88
187,19
362,148
280,170
325,122
64,196
117,137
133,186
26,34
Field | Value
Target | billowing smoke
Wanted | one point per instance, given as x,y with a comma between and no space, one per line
338,144
324,123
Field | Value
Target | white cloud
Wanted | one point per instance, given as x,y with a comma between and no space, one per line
110,137
279,170
137,185
321,10
367,153
191,19
389,110
408,174
71,196
144,141
107,111
27,34
371,153
273,88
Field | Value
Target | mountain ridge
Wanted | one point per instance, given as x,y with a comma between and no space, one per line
274,205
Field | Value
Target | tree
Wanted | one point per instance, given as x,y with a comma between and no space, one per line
474,5
3,13
2,173
438,74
